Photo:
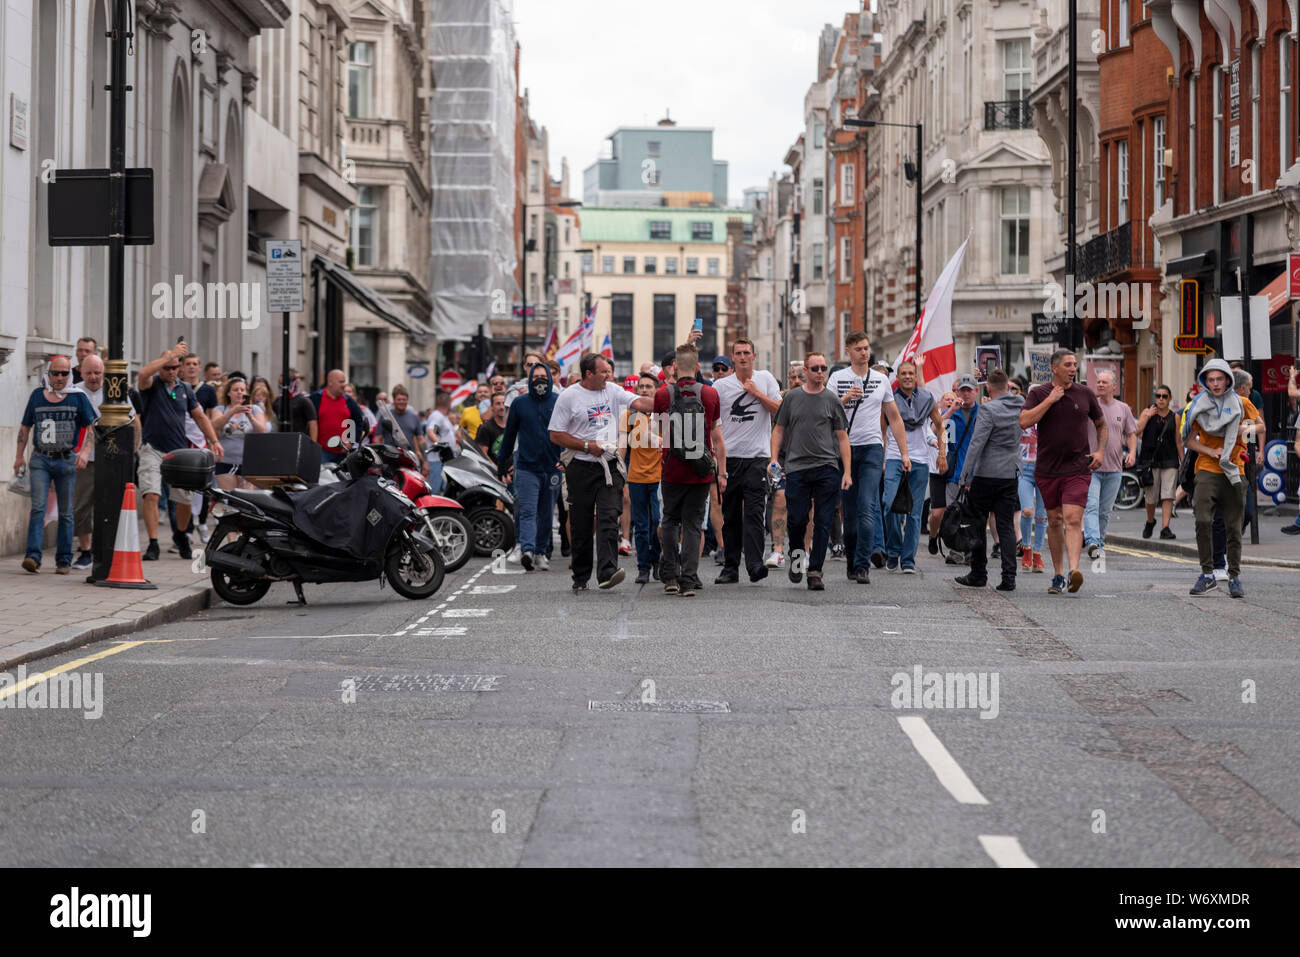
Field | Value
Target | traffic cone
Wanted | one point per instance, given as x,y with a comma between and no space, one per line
127,572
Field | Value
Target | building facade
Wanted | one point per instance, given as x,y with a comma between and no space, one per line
657,165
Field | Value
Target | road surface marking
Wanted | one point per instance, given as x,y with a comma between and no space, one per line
1005,851
466,612
40,676
945,768
1163,556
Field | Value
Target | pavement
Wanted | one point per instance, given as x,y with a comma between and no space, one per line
46,612
1274,549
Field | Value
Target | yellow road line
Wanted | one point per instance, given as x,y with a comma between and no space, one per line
40,676
1163,556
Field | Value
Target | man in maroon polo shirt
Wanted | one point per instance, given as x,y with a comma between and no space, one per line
337,414
1062,410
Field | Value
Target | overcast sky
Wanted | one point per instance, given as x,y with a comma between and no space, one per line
739,66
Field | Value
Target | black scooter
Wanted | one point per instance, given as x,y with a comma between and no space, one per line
472,481
260,540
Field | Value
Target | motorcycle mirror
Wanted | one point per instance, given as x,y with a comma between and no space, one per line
334,442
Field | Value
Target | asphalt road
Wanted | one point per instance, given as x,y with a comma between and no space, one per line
1118,737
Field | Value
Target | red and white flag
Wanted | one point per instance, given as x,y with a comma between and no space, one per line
579,341
607,348
552,342
464,392
931,346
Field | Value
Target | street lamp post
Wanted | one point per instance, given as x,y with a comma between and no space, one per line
868,124
523,286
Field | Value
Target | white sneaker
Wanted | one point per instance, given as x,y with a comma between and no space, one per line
541,563
514,556
775,560
205,533
1221,574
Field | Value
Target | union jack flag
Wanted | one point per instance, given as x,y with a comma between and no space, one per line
600,415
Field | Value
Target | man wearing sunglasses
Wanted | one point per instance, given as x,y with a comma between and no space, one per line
166,403
57,420
817,462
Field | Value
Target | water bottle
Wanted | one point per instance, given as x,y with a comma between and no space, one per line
774,474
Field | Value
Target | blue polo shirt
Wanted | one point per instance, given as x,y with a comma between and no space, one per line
164,411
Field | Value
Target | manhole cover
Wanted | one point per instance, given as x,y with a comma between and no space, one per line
424,683
672,707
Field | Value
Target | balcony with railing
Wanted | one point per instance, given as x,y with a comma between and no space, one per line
1008,115
1105,255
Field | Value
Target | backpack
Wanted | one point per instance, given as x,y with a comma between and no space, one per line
686,404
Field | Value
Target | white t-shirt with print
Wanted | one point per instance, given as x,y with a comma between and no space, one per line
746,424
865,426
590,415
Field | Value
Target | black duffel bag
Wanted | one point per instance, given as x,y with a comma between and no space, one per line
961,528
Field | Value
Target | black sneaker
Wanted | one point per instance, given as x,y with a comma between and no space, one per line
863,577
759,575
793,575
579,586
1148,528
970,581
1289,530
654,571
670,588
728,576
183,545
687,591
934,546
1007,584
997,550
815,582
878,559
565,550
526,559
643,576
1168,532
151,553
84,561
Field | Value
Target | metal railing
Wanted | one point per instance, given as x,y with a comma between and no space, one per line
1008,115
1104,255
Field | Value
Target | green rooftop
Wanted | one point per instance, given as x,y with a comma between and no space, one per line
672,224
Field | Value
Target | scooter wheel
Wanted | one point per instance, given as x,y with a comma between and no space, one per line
237,589
456,538
493,530
407,580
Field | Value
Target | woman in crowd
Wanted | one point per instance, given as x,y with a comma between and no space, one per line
234,417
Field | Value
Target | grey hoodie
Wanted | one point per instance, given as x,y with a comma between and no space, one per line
1217,416
995,444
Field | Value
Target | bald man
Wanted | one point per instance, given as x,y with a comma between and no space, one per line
91,384
337,414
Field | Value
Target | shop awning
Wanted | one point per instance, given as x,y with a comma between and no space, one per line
1190,264
368,298
1279,296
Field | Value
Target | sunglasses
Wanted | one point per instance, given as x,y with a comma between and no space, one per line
59,372
1163,395
170,368
719,368
816,368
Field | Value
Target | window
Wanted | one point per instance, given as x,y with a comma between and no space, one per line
692,266
566,269
566,233
1122,182
620,331
651,263
966,66
818,261
653,147
1216,167
767,317
846,182
819,195
661,229
361,80
665,324
363,350
706,308
1016,69
607,264
1123,23
846,258
1256,74
712,264
702,231
1191,141
819,133
588,264
1015,230
534,175
365,225
532,228
1285,132
670,265
767,268
629,264
1158,171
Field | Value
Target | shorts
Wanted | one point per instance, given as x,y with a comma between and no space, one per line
1165,481
938,491
1061,490
149,472
83,500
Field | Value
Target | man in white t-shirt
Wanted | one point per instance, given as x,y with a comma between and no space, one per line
438,428
748,400
868,401
585,421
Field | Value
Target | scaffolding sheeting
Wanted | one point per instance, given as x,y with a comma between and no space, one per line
473,152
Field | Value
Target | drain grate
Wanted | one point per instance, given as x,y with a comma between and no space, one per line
669,707
423,683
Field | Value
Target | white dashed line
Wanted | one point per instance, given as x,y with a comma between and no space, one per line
945,768
1005,851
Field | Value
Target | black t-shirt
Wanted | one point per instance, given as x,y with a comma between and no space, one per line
303,413
489,435
207,396
1159,450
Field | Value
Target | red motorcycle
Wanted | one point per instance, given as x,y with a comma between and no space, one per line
444,517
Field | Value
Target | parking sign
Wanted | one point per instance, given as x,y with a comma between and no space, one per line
284,275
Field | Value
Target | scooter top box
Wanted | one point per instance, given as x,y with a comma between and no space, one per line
190,470
275,458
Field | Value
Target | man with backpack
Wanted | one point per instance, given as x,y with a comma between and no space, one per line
694,445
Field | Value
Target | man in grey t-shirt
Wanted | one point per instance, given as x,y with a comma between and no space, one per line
817,461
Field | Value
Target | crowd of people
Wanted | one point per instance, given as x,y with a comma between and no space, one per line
671,465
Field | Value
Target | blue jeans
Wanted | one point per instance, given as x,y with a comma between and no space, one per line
861,504
903,532
435,474
63,474
1030,497
536,497
644,499
1101,502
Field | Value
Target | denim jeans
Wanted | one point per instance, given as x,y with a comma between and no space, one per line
1101,502
435,474
1030,497
862,504
534,498
644,500
63,474
903,532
